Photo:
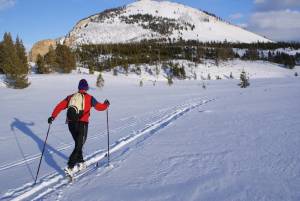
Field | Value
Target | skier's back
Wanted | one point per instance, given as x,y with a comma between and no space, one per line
79,105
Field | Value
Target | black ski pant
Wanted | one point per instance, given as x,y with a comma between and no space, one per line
79,133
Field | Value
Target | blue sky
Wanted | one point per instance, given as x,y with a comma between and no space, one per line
34,20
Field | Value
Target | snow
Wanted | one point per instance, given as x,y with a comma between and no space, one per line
179,142
289,51
207,28
2,81
254,69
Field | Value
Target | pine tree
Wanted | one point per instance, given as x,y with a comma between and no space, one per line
21,52
115,72
1,58
218,77
126,68
100,81
20,78
14,62
182,73
41,67
217,57
170,80
50,59
65,59
251,54
9,55
91,69
244,80
138,70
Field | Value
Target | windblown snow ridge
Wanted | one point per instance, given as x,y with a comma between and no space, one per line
56,181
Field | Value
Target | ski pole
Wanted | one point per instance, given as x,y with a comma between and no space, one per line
42,154
107,137
107,154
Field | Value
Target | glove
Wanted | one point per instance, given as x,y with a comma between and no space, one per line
107,102
50,119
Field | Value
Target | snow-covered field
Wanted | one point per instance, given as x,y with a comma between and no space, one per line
179,142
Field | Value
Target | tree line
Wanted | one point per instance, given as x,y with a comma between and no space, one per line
107,56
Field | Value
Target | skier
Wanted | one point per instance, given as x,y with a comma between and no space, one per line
78,113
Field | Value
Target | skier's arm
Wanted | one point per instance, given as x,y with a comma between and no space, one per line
59,107
99,106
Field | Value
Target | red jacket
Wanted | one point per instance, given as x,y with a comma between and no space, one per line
90,101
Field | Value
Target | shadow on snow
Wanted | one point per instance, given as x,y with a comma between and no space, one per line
24,128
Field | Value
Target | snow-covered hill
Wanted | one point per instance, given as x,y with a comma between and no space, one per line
160,20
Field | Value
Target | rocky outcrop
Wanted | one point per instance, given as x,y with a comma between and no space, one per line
42,48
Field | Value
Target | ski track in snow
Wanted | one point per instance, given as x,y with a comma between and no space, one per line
130,122
55,181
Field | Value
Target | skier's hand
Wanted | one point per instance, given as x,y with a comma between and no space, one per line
106,102
50,119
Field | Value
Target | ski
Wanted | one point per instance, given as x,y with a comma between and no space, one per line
71,173
77,173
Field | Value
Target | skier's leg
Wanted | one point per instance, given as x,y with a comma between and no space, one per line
73,128
83,129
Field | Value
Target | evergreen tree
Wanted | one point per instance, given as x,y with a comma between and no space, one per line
21,80
50,59
100,81
251,54
285,59
182,72
9,57
126,67
1,58
270,56
218,77
244,80
115,72
170,80
289,61
65,59
216,56
21,52
138,70
41,67
91,69
14,62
